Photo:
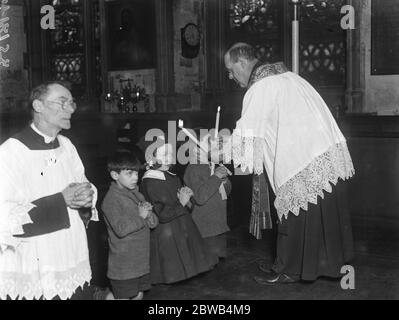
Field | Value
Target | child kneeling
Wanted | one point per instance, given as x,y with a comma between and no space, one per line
178,251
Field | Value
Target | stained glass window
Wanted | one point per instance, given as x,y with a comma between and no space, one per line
67,49
259,22
322,41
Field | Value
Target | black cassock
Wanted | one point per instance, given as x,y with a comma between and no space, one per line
317,242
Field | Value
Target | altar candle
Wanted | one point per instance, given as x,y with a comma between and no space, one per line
217,123
295,38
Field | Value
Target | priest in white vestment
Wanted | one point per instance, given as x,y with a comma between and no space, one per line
43,243
287,131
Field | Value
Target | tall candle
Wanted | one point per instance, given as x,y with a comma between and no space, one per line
295,38
188,134
217,123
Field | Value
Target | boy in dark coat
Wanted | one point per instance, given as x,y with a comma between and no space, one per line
128,219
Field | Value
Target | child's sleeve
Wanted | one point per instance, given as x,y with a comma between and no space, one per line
122,218
228,186
203,185
165,208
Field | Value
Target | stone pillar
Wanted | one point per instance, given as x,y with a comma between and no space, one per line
165,82
355,91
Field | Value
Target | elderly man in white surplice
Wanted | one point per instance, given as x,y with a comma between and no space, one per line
287,130
43,191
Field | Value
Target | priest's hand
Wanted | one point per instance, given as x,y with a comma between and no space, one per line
78,195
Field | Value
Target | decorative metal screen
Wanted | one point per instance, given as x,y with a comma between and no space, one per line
322,43
323,62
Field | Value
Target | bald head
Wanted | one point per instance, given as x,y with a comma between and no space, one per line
239,61
241,50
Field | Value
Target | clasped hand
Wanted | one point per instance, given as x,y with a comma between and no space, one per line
145,209
78,195
184,195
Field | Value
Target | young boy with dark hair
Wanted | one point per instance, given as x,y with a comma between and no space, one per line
128,219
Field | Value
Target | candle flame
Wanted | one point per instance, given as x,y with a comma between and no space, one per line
181,124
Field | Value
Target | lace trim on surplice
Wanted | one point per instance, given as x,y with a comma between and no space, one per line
317,177
306,185
48,285
246,152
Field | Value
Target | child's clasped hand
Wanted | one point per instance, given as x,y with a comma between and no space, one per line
184,195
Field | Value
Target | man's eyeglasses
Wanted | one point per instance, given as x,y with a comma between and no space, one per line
64,105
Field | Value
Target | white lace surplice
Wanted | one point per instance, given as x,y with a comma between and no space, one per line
287,128
48,265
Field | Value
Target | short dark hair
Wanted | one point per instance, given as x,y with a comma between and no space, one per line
124,161
40,91
241,50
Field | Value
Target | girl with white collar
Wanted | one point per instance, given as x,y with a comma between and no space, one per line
177,250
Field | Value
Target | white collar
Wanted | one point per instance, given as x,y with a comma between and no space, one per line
156,174
47,139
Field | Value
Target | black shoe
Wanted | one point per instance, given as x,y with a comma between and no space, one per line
275,278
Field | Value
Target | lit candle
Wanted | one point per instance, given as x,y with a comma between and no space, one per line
188,134
195,140
217,123
216,135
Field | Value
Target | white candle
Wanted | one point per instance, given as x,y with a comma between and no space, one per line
295,38
217,123
295,46
188,134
